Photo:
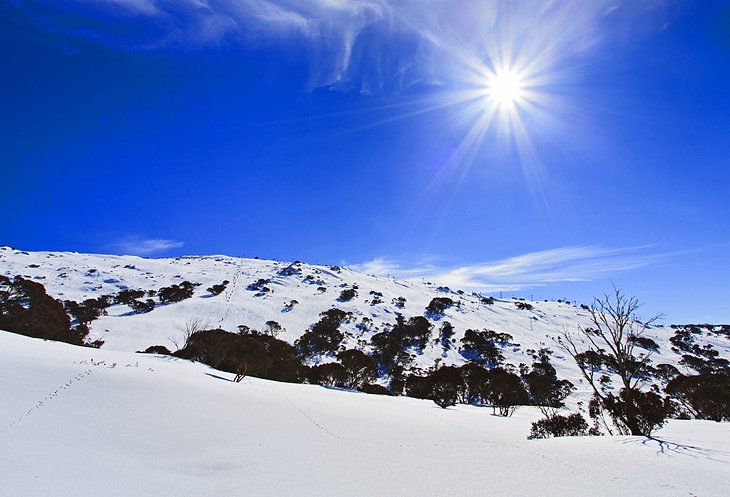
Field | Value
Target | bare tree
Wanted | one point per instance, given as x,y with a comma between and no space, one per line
610,344
191,326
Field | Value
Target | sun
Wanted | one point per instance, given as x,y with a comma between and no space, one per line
505,88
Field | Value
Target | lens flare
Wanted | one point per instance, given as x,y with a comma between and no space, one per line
505,89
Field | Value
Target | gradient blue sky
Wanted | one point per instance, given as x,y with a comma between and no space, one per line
349,132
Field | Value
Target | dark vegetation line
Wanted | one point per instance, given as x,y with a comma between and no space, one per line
615,345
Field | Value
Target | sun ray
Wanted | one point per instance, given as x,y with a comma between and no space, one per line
505,88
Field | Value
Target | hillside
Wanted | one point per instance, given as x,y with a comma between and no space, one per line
294,295
82,422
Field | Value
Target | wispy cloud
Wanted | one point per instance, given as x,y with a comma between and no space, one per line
369,44
145,7
136,245
535,269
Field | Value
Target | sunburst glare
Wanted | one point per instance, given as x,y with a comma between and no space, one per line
505,88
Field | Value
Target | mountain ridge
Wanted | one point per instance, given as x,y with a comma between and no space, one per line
294,294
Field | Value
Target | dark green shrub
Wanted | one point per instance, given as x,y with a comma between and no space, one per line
83,313
156,349
704,396
389,347
414,333
176,293
374,389
418,386
446,333
523,306
572,425
218,288
399,302
633,411
646,343
593,360
446,385
484,347
26,309
475,382
505,392
359,368
324,336
666,371
126,296
142,307
347,295
544,388
273,328
438,306
259,286
257,355
331,374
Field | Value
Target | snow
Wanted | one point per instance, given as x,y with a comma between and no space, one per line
83,422
74,276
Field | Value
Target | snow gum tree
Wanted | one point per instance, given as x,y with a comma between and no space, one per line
610,344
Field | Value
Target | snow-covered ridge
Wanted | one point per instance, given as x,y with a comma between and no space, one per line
313,289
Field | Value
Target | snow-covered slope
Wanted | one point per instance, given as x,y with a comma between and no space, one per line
73,276
84,422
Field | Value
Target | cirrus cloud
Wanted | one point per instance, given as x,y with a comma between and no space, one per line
136,245
534,269
367,44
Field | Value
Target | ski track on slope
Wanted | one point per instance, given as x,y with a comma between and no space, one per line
231,293
66,385
575,471
320,426
42,402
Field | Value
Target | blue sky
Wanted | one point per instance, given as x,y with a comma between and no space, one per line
372,133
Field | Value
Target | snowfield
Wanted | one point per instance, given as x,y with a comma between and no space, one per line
82,422
79,422
74,276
